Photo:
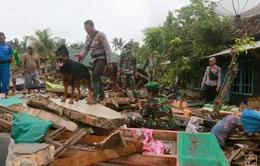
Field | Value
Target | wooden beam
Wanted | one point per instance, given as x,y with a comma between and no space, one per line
83,158
114,140
146,160
165,135
70,141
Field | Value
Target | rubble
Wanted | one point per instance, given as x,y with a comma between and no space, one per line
41,153
69,142
87,114
44,115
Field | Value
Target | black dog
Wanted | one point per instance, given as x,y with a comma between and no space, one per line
73,72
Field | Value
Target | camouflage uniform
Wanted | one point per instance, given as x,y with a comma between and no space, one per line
156,114
127,68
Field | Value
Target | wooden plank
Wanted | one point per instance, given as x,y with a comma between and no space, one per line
56,133
83,158
234,155
5,124
166,135
142,160
112,141
70,141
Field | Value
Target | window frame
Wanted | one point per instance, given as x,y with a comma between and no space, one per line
241,78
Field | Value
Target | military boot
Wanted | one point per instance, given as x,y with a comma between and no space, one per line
96,88
101,92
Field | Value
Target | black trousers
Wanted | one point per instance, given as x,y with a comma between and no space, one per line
210,93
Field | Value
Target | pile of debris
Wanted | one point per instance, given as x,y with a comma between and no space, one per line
41,130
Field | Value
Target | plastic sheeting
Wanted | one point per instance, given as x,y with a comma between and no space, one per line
28,129
20,84
251,121
199,150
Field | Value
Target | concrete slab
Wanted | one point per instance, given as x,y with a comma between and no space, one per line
29,148
95,115
95,109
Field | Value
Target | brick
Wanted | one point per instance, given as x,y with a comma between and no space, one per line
40,153
40,157
55,119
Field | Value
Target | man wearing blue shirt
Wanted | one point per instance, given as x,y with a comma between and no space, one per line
6,57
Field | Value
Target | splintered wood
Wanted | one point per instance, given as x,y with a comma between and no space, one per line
95,115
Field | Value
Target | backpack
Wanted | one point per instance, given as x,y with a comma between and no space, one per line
213,76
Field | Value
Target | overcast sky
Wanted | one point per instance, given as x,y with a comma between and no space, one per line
116,18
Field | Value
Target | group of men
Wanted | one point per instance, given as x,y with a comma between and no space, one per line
11,67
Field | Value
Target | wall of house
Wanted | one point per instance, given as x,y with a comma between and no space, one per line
238,98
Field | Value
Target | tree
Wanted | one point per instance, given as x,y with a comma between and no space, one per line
193,31
19,45
59,42
237,49
43,42
117,44
77,46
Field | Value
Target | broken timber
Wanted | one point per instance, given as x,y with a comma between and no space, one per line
95,115
85,156
113,140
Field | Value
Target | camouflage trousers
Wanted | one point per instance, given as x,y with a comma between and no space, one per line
162,123
127,80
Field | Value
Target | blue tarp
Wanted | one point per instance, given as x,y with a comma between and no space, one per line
251,121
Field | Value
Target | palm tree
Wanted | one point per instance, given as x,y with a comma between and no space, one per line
120,44
42,42
60,41
115,43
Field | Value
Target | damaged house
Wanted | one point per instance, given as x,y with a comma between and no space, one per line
246,84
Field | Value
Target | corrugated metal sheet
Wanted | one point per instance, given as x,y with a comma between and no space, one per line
227,51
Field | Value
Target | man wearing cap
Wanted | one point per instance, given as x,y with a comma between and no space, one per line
157,113
6,57
98,46
211,80
126,69
16,70
31,68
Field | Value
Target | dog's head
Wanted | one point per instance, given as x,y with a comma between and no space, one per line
62,56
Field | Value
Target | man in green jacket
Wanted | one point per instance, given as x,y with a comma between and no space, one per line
17,64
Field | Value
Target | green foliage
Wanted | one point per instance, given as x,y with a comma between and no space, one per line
239,46
194,31
77,46
43,42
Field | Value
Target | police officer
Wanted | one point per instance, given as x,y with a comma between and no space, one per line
6,57
98,46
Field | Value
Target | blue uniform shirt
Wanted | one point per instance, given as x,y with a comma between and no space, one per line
6,51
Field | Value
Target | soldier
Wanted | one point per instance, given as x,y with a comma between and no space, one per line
157,113
6,57
16,71
126,67
98,46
